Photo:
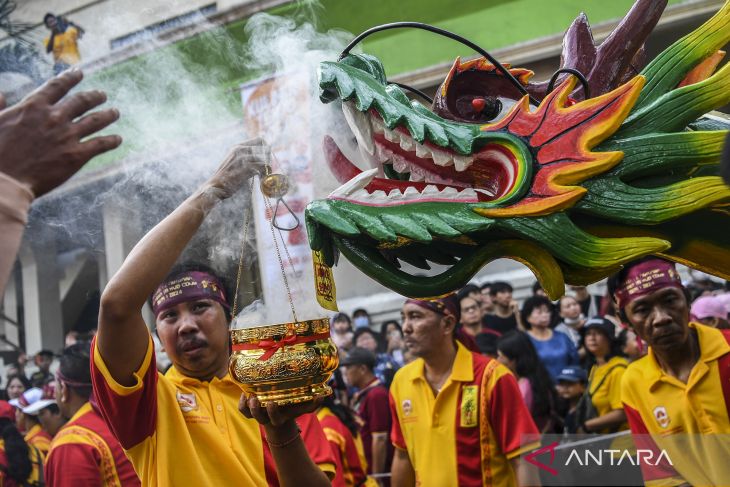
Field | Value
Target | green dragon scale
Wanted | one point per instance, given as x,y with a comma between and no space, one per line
573,187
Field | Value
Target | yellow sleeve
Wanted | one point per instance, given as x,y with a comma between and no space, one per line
614,391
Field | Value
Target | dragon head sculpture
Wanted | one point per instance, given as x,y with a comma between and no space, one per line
571,186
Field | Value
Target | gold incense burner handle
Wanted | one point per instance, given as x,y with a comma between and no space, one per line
275,185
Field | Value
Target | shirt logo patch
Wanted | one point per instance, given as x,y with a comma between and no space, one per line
661,416
469,406
187,402
407,407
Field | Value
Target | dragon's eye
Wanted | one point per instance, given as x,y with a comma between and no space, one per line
483,109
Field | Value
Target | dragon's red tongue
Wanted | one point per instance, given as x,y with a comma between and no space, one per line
341,167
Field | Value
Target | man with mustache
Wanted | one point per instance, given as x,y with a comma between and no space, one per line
677,397
184,427
458,417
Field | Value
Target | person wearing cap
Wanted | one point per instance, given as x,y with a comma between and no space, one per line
84,451
458,417
185,427
571,384
20,463
27,407
604,379
710,311
371,404
679,393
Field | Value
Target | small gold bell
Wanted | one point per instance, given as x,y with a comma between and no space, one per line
275,185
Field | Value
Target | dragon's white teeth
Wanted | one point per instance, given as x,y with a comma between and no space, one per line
383,153
390,135
395,193
378,126
360,125
355,184
400,165
449,191
468,193
484,191
406,144
422,151
410,191
441,158
461,163
430,189
379,194
417,175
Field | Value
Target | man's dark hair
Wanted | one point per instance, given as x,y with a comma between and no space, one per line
341,317
49,15
529,306
362,331
360,311
536,286
499,287
467,290
192,266
486,285
74,367
53,408
45,353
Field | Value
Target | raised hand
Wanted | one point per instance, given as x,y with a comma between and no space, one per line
242,163
41,137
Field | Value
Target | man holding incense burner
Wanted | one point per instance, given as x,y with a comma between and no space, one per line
184,427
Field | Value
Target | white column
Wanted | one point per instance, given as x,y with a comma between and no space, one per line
41,295
10,310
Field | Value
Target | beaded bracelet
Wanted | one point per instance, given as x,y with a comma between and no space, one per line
285,442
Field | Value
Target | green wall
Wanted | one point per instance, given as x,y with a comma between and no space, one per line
215,74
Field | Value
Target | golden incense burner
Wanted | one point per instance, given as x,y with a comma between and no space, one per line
286,363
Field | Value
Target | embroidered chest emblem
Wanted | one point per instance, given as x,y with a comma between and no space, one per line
407,407
468,408
661,416
187,402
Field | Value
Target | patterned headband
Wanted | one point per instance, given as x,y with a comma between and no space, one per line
188,287
646,278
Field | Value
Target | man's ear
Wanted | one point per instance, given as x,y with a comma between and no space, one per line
449,322
63,391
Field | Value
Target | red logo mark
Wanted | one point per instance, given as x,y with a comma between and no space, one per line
549,448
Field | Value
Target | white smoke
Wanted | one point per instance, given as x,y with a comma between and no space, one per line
178,117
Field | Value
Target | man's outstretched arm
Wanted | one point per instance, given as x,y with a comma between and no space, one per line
122,336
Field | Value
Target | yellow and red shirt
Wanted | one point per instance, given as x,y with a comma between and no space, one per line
178,430
347,449
65,46
685,420
466,434
84,452
37,437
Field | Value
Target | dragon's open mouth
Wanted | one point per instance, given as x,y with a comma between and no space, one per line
416,172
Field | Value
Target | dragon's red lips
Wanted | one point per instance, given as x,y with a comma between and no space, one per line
434,173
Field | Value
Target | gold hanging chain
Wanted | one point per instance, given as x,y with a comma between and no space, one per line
246,224
278,255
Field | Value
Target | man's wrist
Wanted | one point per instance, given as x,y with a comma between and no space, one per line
278,436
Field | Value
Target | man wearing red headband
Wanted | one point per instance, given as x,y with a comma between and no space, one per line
184,427
458,416
677,397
